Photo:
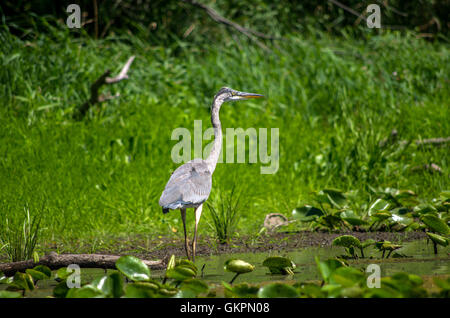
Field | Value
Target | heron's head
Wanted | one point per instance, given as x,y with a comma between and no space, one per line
229,94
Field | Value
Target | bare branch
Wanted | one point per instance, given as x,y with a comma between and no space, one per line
251,34
348,9
102,80
123,73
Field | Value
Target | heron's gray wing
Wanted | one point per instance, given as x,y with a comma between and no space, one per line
190,184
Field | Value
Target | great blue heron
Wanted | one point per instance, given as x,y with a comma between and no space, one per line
190,184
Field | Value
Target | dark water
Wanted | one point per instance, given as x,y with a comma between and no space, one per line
420,260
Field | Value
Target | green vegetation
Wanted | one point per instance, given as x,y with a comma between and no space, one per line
338,280
336,101
19,236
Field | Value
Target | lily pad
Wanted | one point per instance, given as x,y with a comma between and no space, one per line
111,286
435,224
9,294
242,290
133,268
279,265
347,241
277,290
440,240
195,285
87,291
352,218
307,213
238,266
141,290
346,276
377,206
181,273
326,268
333,197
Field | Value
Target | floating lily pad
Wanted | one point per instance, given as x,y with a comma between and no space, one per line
181,273
346,276
87,291
440,240
327,267
242,290
277,290
347,241
133,268
435,224
22,281
195,285
111,286
238,266
9,294
279,265
141,290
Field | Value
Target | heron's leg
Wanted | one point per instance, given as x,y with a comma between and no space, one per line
198,214
186,246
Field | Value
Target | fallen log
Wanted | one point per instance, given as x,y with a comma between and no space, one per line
55,261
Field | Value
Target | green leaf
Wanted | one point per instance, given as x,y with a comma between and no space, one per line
171,263
346,276
195,285
87,291
401,219
346,241
22,281
306,213
242,290
352,218
62,273
45,270
381,216
181,273
277,290
61,290
279,265
335,197
111,286
133,268
367,243
440,240
424,209
435,224
9,294
185,293
36,275
377,206
141,290
238,266
326,268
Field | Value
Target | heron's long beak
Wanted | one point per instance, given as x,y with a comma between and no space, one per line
245,95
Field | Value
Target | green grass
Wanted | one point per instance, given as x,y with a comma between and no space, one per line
333,99
19,236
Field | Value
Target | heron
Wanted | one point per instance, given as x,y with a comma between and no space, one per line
190,184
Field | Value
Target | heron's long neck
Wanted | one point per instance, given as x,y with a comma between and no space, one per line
217,146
